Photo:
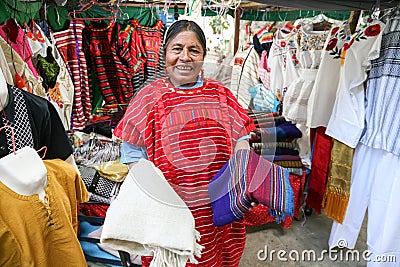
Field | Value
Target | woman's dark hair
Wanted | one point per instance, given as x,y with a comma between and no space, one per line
185,25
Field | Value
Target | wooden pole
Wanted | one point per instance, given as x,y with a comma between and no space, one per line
353,20
237,30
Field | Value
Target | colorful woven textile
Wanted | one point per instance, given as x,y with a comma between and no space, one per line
269,185
227,190
247,177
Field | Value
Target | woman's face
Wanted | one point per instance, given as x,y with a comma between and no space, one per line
184,58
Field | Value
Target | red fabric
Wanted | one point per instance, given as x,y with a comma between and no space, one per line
103,63
20,83
260,214
93,209
319,169
190,135
69,43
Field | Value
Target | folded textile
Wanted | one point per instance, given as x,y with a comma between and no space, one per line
247,178
100,189
227,190
148,218
281,157
96,234
289,163
278,151
269,185
91,249
289,145
279,132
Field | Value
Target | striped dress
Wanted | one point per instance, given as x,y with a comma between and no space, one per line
69,43
151,38
190,134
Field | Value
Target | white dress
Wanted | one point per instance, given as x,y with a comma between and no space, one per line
309,49
280,61
347,120
323,93
295,101
375,181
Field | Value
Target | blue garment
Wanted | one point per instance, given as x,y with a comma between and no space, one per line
131,153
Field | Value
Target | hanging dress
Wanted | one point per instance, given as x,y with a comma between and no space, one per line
152,38
309,45
69,43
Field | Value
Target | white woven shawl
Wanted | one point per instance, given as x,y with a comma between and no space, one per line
148,218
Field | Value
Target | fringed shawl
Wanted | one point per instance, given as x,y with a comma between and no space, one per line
148,218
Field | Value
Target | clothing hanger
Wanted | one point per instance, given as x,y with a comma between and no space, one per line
376,10
85,7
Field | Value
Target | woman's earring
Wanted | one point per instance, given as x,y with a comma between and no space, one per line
202,74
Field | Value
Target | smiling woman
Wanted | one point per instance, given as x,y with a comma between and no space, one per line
185,49
189,127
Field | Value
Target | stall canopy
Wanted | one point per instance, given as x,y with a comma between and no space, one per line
332,4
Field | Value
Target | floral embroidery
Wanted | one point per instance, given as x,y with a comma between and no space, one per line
334,31
331,44
360,34
347,45
309,42
55,95
373,30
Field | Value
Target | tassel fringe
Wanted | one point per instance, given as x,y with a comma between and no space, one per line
166,258
335,203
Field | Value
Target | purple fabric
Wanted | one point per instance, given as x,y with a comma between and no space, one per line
235,186
227,190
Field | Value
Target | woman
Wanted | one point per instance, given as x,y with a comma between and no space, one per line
189,127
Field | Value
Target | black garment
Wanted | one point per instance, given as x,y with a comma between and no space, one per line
261,47
36,124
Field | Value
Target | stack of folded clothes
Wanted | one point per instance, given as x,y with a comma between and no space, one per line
275,139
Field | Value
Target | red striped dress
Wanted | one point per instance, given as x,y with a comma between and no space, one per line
69,43
190,134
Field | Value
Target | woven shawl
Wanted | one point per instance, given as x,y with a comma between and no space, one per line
148,218
247,178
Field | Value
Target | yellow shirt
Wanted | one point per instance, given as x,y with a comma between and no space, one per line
43,233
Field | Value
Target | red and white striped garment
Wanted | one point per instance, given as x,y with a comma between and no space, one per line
190,134
69,43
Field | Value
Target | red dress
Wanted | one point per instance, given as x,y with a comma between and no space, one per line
190,134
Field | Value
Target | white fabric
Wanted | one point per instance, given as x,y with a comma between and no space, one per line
5,69
148,218
375,185
323,93
64,83
17,64
283,67
382,117
309,45
347,121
